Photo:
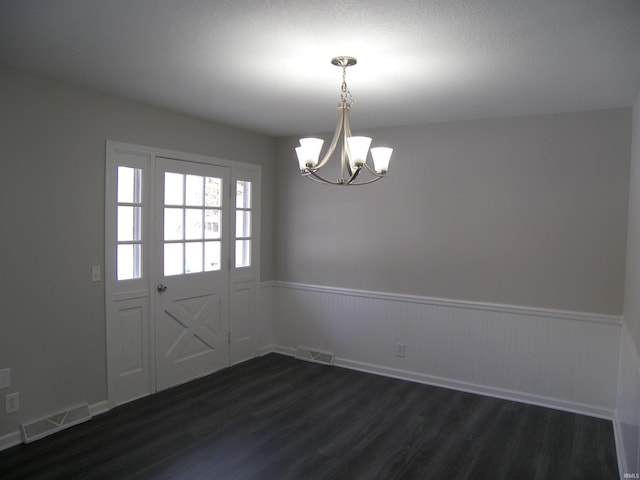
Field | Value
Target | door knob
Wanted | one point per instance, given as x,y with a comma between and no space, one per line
161,288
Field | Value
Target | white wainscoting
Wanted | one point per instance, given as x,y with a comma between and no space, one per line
627,419
264,317
559,359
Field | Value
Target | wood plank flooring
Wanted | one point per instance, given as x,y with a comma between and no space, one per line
276,417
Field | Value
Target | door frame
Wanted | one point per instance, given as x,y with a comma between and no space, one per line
136,297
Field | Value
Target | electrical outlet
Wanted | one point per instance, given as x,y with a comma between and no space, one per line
400,349
11,403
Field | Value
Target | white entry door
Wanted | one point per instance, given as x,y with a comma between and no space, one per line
181,267
191,270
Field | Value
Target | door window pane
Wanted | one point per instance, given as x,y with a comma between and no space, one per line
173,188
173,259
194,190
129,261
243,223
243,253
243,194
129,223
212,224
211,256
193,220
129,185
193,257
212,192
173,224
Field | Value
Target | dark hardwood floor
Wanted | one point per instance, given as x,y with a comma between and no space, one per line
279,418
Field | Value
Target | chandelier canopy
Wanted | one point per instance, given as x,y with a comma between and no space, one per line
355,149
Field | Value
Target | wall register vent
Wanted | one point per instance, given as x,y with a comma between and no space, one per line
46,426
317,356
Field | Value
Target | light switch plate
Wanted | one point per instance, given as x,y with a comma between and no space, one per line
5,378
95,273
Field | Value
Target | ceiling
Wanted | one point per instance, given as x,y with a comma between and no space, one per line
264,65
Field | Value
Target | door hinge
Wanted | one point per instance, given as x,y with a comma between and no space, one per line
229,337
228,264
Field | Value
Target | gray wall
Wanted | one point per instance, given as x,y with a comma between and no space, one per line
52,317
632,286
527,211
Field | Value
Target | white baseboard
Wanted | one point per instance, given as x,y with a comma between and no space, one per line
266,350
521,397
10,440
99,408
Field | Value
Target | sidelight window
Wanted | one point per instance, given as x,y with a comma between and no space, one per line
129,223
243,224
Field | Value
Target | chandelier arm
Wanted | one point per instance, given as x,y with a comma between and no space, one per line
320,179
374,179
346,127
372,171
334,140
354,175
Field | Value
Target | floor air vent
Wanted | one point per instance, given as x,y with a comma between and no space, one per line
46,426
304,353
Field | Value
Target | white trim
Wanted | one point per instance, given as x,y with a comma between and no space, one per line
626,334
130,295
10,440
267,284
446,302
177,155
267,349
521,397
626,342
99,408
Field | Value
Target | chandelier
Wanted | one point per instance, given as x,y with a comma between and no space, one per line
355,149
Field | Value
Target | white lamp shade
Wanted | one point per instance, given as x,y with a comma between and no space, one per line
381,157
358,149
301,158
308,152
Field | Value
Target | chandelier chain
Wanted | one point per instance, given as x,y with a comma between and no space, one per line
346,96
